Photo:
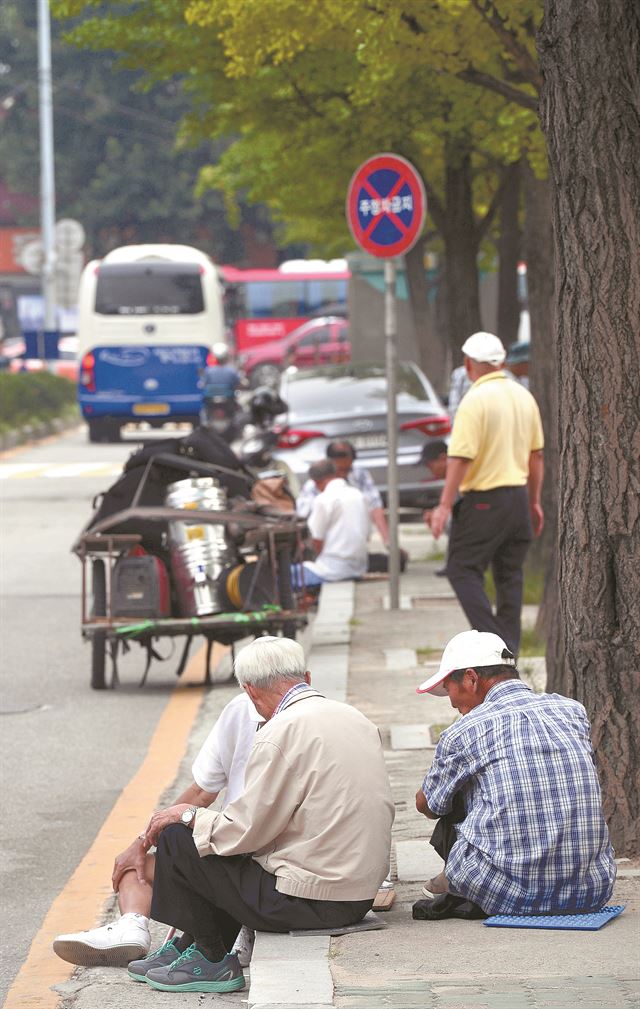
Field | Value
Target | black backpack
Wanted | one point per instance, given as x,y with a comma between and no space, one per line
202,445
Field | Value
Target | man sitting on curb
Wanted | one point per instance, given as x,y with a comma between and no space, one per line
513,782
339,527
220,764
289,853
343,456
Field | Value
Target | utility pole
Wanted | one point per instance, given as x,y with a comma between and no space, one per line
47,178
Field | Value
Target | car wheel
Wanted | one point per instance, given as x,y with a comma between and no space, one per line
96,430
265,374
104,430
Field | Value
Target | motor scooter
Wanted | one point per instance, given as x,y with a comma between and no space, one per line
224,415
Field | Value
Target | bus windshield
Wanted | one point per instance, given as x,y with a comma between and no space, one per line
148,288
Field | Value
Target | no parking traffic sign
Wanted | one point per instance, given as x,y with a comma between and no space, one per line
386,205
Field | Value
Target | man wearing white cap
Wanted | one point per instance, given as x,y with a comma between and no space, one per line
515,787
495,463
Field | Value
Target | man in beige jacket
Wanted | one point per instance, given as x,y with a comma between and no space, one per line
306,845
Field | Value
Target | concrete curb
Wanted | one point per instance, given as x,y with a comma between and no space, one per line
36,432
288,971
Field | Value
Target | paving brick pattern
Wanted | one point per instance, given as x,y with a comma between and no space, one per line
492,993
454,964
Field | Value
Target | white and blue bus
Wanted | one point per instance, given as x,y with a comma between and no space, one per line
148,316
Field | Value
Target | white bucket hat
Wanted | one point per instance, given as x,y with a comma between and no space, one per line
467,651
484,348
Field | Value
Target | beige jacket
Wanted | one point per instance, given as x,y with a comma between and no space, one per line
317,807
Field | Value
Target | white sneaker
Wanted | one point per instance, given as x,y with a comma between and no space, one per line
243,946
110,946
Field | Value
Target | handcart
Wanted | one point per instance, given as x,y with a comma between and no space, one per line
254,589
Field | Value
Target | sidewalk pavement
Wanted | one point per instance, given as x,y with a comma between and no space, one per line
374,658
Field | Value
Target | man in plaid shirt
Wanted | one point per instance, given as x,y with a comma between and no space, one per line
514,782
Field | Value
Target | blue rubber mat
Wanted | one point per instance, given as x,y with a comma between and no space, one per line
580,922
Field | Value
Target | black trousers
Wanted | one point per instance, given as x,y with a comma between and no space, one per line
216,895
490,528
444,833
443,839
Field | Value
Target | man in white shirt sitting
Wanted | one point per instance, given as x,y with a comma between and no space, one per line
220,764
343,454
339,525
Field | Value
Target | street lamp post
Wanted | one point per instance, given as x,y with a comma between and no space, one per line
47,177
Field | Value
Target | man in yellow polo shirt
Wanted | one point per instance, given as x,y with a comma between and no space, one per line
495,463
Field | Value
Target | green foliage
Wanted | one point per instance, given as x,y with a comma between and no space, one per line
30,397
532,590
118,168
531,643
304,92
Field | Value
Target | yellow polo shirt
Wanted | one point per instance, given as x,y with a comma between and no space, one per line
497,426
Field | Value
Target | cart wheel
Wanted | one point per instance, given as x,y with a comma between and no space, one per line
99,639
98,660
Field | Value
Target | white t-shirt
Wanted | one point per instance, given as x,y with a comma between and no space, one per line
340,518
224,754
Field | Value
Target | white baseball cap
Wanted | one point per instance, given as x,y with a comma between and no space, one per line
467,651
484,348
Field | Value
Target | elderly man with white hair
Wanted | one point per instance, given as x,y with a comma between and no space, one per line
495,464
305,847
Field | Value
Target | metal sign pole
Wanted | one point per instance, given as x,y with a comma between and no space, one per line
391,349
386,207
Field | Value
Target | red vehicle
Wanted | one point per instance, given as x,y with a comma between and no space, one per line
266,305
319,341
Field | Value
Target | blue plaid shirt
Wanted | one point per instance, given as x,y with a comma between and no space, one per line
534,839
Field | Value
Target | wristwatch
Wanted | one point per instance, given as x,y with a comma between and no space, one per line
188,815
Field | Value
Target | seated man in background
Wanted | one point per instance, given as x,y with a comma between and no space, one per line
339,527
343,455
220,764
434,457
290,852
515,788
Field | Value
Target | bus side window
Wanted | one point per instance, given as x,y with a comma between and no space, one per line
324,296
289,300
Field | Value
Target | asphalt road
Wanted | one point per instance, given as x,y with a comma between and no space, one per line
67,751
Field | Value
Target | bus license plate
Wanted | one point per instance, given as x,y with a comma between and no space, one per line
150,409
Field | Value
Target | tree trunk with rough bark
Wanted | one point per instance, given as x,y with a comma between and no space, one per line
538,246
509,252
461,238
432,347
590,111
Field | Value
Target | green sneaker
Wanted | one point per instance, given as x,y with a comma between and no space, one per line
162,957
193,972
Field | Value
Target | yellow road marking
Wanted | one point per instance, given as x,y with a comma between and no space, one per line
80,902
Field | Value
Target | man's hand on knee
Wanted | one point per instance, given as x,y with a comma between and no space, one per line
131,860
